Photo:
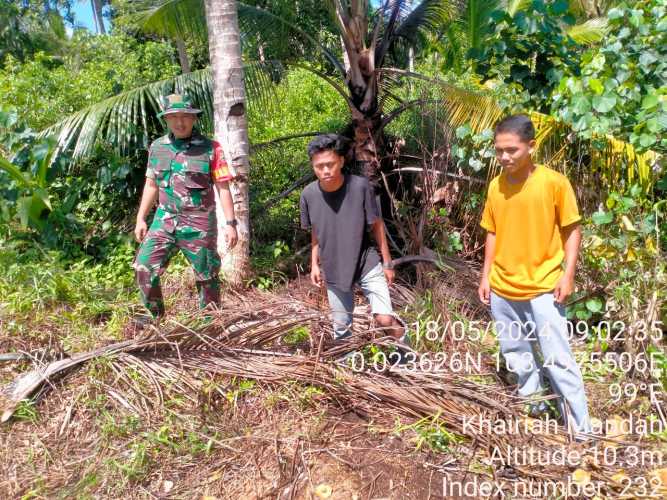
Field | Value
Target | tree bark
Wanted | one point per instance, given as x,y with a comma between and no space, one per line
231,126
97,14
182,55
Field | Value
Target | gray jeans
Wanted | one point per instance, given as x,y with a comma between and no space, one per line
521,327
374,286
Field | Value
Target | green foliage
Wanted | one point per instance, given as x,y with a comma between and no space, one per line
470,30
621,252
45,293
265,260
473,152
137,464
29,27
297,335
432,432
70,206
26,411
269,39
33,279
47,88
621,89
307,104
24,190
530,50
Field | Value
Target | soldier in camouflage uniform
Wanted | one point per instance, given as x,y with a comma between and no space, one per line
183,167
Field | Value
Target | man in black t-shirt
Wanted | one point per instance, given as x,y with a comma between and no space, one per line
339,209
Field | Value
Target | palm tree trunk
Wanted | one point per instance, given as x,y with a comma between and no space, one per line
231,126
97,14
182,55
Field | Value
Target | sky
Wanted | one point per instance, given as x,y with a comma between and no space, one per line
83,15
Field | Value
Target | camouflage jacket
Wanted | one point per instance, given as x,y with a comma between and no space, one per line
185,172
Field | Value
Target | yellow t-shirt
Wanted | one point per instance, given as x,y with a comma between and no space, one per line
527,219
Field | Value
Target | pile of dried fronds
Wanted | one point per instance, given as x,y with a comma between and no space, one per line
243,340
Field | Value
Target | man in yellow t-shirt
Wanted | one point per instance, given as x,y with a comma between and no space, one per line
532,225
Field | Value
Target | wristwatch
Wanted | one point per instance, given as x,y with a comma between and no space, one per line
388,265
232,223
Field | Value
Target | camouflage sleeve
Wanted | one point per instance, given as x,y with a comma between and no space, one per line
219,168
150,173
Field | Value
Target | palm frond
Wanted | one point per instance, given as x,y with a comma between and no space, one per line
480,111
409,23
453,47
476,21
255,148
589,32
258,21
186,18
173,18
429,14
514,6
616,160
127,120
342,91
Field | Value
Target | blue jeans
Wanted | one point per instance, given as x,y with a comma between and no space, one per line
375,288
522,327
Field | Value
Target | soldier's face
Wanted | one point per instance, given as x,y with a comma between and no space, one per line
180,124
328,166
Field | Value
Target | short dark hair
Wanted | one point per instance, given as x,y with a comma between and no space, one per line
520,125
325,142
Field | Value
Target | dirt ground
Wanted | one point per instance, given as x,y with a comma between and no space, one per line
100,432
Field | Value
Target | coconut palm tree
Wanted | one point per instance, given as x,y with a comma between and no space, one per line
96,6
229,118
364,64
373,39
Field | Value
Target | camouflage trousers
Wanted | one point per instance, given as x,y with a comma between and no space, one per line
196,237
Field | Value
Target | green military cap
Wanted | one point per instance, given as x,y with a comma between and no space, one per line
177,103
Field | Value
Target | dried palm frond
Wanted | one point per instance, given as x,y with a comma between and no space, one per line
240,340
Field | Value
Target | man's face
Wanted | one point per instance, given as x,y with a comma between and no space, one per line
328,166
512,152
180,124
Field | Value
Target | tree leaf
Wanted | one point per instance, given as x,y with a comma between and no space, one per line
650,101
604,103
594,305
646,59
600,218
583,314
580,104
23,209
615,13
596,86
560,7
14,172
647,140
43,195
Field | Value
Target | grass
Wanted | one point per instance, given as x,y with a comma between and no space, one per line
76,300
79,305
47,299
430,432
298,335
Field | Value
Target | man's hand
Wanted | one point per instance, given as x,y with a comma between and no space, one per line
484,291
231,237
140,230
390,275
316,275
564,288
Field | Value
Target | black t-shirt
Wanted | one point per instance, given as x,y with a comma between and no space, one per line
340,220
